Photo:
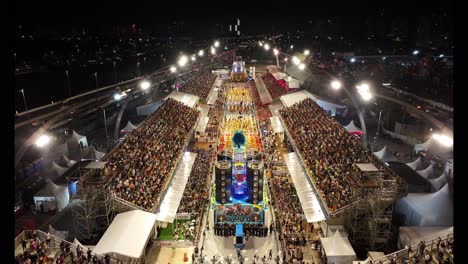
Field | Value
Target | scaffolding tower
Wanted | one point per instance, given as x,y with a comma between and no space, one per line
93,212
372,216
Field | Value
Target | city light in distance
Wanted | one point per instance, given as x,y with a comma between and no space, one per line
200,53
213,50
266,46
416,52
306,52
216,44
353,59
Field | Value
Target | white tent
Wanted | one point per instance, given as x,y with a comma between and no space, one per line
292,98
128,234
427,173
351,127
58,169
61,234
185,98
438,182
128,128
410,235
66,161
384,154
90,153
338,249
292,83
175,191
52,197
276,124
80,138
427,209
329,107
416,165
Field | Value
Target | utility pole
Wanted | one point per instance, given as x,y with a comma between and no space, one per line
68,83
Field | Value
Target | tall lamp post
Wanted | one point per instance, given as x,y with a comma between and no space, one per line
138,68
95,78
276,52
24,99
336,85
115,73
68,83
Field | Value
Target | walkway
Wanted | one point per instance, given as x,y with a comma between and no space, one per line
262,91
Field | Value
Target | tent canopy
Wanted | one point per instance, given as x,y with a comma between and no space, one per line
427,173
203,122
276,124
385,155
427,209
185,98
416,165
127,235
170,204
338,246
292,98
128,128
95,165
440,181
309,202
351,127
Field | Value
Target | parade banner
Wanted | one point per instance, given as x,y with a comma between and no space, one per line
239,213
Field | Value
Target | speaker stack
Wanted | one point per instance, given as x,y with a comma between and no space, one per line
255,181
253,155
223,181
225,155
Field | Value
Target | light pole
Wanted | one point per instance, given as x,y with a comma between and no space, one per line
95,78
24,99
105,122
68,83
378,125
115,73
276,52
138,68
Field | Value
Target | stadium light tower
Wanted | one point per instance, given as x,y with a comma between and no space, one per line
444,140
213,50
416,52
296,60
336,85
42,141
173,69
260,43
193,58
145,85
266,46
276,52
302,66
306,52
201,53
216,43
182,61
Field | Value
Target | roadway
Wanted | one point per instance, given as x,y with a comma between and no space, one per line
66,110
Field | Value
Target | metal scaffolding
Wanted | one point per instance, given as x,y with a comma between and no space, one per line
372,216
93,212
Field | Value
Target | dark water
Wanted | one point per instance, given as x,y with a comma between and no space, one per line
42,87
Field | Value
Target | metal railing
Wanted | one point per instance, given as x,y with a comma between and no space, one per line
55,243
404,253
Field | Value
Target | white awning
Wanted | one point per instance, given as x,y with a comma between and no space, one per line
127,235
170,204
367,167
203,122
309,203
95,165
292,98
185,98
265,96
338,246
276,124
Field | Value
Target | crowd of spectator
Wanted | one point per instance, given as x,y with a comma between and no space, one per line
262,111
288,210
328,150
200,84
196,193
141,166
48,250
272,85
